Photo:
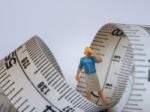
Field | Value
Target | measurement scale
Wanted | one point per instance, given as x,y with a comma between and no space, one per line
31,80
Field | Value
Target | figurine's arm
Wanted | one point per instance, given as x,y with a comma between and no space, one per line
98,57
78,74
79,69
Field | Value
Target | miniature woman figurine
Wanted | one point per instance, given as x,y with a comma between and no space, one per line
92,83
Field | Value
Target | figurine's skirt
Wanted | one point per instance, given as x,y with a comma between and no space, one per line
92,82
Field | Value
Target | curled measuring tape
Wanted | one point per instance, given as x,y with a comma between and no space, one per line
31,80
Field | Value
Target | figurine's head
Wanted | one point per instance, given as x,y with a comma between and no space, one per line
87,51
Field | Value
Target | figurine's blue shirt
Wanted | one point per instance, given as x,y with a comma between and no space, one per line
88,63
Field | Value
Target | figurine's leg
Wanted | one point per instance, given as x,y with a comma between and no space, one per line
100,93
88,95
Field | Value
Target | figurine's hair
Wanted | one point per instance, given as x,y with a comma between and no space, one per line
87,50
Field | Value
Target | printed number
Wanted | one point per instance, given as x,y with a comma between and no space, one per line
49,109
10,60
68,109
43,88
25,62
108,86
118,32
116,58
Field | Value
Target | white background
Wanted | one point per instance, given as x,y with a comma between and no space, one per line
66,26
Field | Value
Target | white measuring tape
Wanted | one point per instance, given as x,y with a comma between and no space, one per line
31,80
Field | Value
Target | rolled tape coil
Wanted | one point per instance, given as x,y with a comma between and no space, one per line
31,80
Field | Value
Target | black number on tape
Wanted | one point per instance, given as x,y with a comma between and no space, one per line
116,58
117,32
43,88
10,60
25,62
68,109
108,86
49,109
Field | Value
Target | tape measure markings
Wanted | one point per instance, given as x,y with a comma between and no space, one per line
134,97
126,63
19,91
54,79
110,64
96,46
2,64
12,90
49,54
129,84
8,88
34,85
3,71
146,28
61,87
120,89
3,75
23,103
1,68
7,76
5,84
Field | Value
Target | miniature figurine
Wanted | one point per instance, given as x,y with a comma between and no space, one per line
92,82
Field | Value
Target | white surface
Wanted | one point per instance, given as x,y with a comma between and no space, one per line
66,26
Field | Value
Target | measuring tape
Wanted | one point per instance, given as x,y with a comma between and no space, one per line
31,80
